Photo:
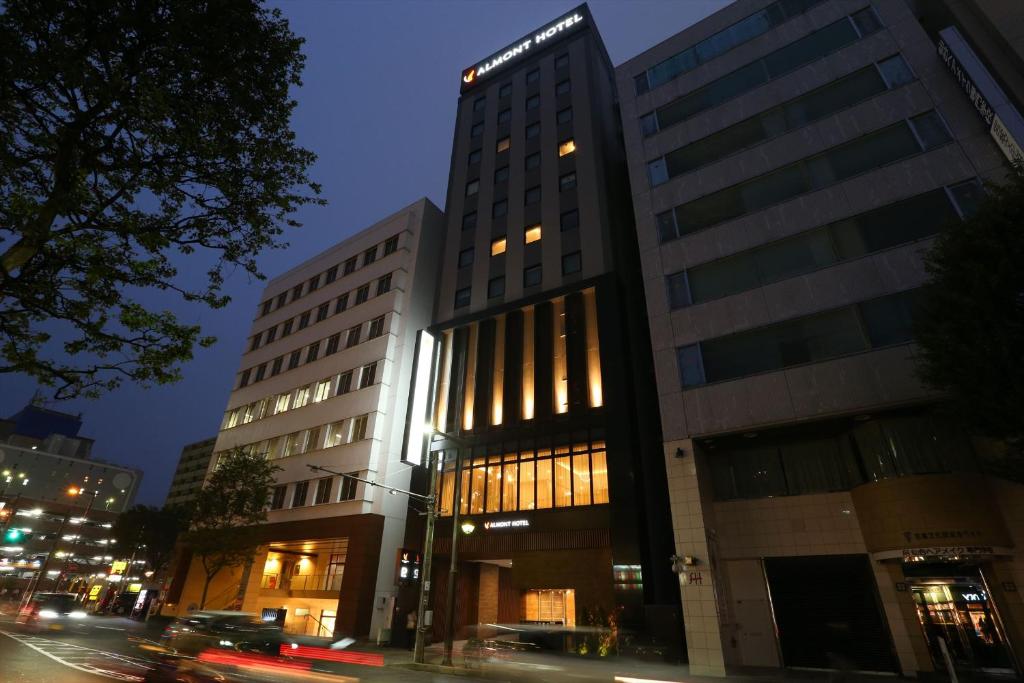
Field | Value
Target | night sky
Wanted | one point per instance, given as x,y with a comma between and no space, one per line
378,107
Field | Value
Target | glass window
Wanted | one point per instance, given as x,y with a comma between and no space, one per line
967,196
930,129
503,145
368,376
526,484
282,299
349,266
462,297
895,71
472,187
570,220
275,368
359,427
496,287
296,292
362,294
332,344
867,21
349,486
302,395
294,359
469,221
691,368
277,497
505,90
322,391
353,336
532,102
533,161
532,195
561,61
509,487
244,379
641,84
479,104
474,157
255,343
314,283
341,304
564,115
544,484
493,488
322,311
533,76
563,87
678,290
304,320
657,172
599,464
384,285
532,234
476,494
323,491
531,276
477,130
567,181
566,147
271,334
572,263
466,257
261,372
265,307
581,479
286,329
888,319
499,208
501,175
312,352
563,482
391,245
532,130
376,327
331,275
648,124
344,383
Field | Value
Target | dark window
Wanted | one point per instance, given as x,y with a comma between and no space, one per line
323,491
474,157
504,116
369,256
312,352
867,21
505,90
501,175
353,336
477,130
465,257
479,104
332,275
648,124
469,221
641,83
391,245
462,297
299,496
533,161
304,320
564,115
533,76
572,263
332,344
678,290
349,486
532,195
563,87
275,368
362,294
496,286
322,311
277,497
570,220
499,208
341,304
282,299
472,187
384,285
261,372
314,283
532,130
368,376
532,102
243,380
294,359
265,307
257,338
531,276
376,328
286,329
296,292
567,181
561,61
344,383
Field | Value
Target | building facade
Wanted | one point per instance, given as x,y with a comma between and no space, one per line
791,161
322,381
543,355
191,472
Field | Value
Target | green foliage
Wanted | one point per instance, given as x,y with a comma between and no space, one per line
151,532
226,511
970,327
135,138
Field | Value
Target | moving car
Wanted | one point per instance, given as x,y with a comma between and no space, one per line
52,612
224,630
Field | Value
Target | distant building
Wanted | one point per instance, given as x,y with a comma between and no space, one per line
191,472
36,426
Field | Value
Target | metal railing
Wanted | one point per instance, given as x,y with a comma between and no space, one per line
316,582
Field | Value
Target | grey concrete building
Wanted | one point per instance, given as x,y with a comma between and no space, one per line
191,471
790,163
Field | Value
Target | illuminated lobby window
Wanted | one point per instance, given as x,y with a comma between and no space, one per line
532,234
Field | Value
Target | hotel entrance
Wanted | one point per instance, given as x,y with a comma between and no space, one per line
549,606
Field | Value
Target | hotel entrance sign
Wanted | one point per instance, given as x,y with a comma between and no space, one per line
514,52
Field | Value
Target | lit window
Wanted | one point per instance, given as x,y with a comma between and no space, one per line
503,145
566,147
498,246
532,234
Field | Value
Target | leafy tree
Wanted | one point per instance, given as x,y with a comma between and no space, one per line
970,327
136,138
150,532
226,511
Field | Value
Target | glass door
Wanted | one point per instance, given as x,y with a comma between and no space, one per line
960,614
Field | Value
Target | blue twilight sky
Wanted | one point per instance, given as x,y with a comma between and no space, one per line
378,108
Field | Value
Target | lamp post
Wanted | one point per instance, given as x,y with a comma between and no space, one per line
76,491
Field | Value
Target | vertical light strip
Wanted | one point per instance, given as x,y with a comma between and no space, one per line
444,381
528,363
469,391
559,370
593,349
498,385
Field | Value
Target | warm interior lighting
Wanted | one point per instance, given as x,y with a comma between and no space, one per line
528,363
560,370
498,246
532,234
444,379
498,385
567,147
593,350
469,392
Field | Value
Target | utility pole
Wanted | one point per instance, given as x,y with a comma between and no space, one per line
428,561
453,567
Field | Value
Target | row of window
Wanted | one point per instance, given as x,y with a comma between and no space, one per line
717,44
888,145
321,495
330,345
811,47
532,195
335,385
322,312
572,263
529,480
349,430
388,247
872,450
531,161
872,324
825,101
889,226
563,87
532,76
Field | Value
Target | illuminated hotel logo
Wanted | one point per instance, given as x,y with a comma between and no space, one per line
512,52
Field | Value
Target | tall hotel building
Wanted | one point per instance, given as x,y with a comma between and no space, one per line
544,357
324,381
790,163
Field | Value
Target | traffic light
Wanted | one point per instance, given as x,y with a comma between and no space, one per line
13,535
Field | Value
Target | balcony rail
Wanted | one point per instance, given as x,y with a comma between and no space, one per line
302,582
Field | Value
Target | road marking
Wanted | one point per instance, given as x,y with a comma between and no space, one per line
81,655
109,628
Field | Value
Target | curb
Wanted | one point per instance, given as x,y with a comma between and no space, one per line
435,668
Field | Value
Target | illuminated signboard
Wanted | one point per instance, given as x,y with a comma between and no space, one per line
418,427
517,50
119,567
500,524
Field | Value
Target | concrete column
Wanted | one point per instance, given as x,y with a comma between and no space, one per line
901,615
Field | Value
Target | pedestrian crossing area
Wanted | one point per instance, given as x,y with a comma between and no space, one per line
86,659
